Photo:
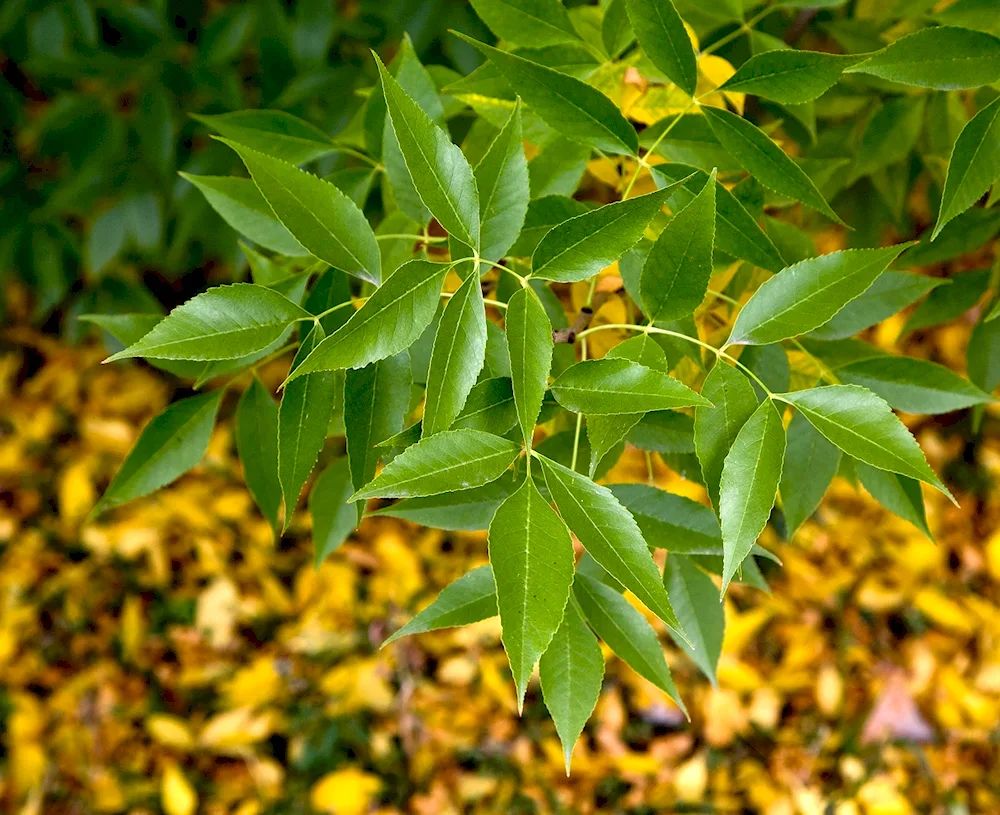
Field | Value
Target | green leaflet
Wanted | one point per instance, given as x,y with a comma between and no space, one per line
672,522
811,462
765,161
536,23
532,558
616,28
543,214
890,134
333,517
257,443
914,385
502,180
457,357
696,601
241,205
677,270
900,495
580,247
225,322
438,168
806,295
571,671
606,386
625,631
388,323
466,511
974,165
565,103
789,77
303,419
942,57
273,132
666,42
864,426
130,328
529,343
716,428
321,217
447,461
610,534
984,355
467,600
169,446
950,302
750,476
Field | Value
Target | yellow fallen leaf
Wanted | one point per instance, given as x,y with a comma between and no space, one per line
170,731
177,796
215,614
943,611
76,490
345,792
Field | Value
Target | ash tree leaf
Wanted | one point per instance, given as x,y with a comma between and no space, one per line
610,534
457,357
607,386
317,213
665,41
765,161
257,444
464,601
529,343
390,321
900,495
580,247
566,104
947,303
533,23
502,180
273,132
942,57
303,420
696,601
716,428
675,275
750,477
914,385
864,426
625,631
169,446
445,462
983,356
532,558
974,165
571,672
241,205
438,168
464,511
672,522
225,322
333,517
808,294
789,77
616,28
811,462
736,231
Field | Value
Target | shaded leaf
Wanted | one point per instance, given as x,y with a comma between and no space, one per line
810,464
696,601
529,343
257,444
665,41
333,517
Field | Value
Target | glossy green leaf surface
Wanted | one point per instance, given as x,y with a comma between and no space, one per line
914,385
502,182
529,343
607,386
273,132
665,41
789,76
534,23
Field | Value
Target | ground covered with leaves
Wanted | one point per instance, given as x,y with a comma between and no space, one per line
171,657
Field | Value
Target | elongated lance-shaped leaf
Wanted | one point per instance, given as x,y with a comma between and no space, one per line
439,170
225,322
672,522
257,443
974,165
666,42
535,23
765,161
696,601
529,343
608,386
625,631
445,462
457,357
610,534
273,132
532,558
580,247
900,495
808,294
303,420
789,76
318,214
750,477
675,275
811,462
388,323
864,426
571,671
715,428
572,107
464,601
502,180
333,516
464,511
169,446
